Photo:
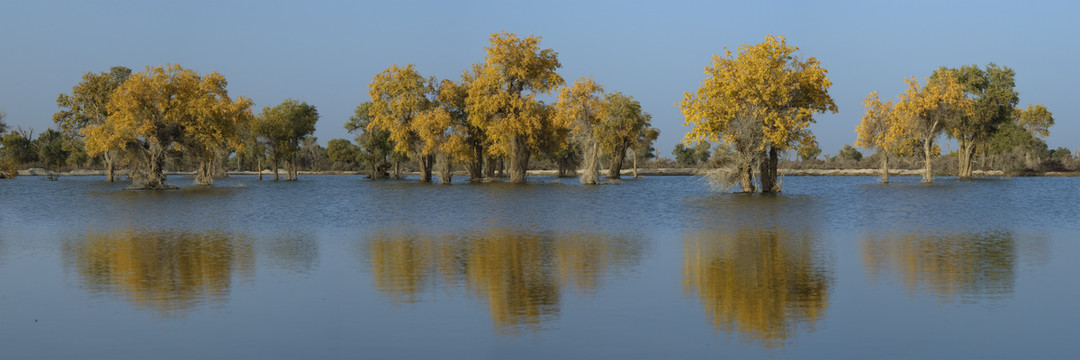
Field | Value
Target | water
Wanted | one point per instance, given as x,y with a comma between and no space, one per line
340,267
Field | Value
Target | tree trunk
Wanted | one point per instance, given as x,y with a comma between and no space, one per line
884,167
110,168
446,169
426,162
476,166
966,151
519,159
204,175
489,170
768,171
275,161
259,168
746,177
397,169
635,162
155,174
615,170
590,173
928,175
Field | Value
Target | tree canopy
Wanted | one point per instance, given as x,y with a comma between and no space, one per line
165,108
502,100
760,100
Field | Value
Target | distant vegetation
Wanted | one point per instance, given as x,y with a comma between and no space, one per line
750,117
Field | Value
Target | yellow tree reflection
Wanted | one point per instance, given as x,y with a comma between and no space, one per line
962,266
521,275
759,283
170,272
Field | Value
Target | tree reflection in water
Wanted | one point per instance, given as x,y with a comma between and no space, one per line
169,272
522,275
961,266
760,283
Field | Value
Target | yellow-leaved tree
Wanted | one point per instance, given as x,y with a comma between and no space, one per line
882,130
925,110
623,125
582,108
503,100
88,105
166,108
399,97
760,101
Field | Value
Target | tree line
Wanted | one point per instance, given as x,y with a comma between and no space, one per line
492,122
756,103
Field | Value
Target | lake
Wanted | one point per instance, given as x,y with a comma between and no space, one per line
658,267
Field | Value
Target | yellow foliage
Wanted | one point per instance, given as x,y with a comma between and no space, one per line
398,96
765,83
882,128
924,110
502,98
171,106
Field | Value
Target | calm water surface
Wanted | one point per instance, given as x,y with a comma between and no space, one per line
340,267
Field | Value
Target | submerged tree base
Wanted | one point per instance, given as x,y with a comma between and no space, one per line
146,187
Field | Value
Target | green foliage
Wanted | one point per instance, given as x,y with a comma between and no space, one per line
342,151
690,156
52,149
283,127
18,147
375,146
849,152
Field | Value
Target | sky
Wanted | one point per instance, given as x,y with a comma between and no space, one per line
326,52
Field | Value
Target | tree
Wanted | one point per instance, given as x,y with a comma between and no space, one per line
581,108
3,125
51,149
849,152
992,97
926,110
643,147
503,98
88,105
624,124
399,97
215,127
375,145
282,128
761,101
163,109
453,97
882,130
18,147
342,151
690,156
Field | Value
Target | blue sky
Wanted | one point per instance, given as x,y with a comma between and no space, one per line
326,52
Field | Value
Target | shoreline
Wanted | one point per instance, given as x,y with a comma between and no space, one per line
625,173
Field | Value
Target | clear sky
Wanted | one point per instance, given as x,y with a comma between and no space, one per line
326,52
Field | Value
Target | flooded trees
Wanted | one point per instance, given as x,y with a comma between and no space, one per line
399,97
624,124
926,110
993,97
282,127
161,109
503,98
582,108
881,129
88,105
760,101
374,145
